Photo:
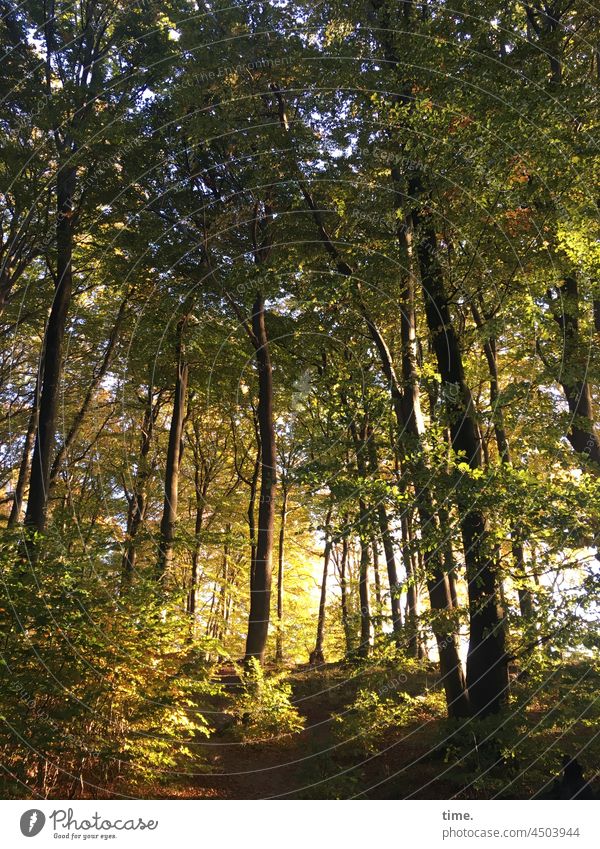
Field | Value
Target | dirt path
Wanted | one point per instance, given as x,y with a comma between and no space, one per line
280,767
314,763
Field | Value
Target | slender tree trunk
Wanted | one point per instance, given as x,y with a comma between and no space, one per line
254,480
448,554
260,593
344,598
407,408
316,655
409,417
220,618
451,572
377,619
388,548
230,597
174,449
392,572
526,607
17,505
135,519
201,482
210,619
138,501
52,357
412,595
363,522
280,571
363,589
420,572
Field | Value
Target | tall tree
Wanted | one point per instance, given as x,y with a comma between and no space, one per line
174,452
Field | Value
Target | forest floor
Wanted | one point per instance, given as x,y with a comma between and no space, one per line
327,760
315,763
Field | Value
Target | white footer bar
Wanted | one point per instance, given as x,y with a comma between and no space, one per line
299,824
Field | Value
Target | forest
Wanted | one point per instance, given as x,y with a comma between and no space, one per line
299,399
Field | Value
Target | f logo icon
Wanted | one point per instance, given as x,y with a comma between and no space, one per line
32,822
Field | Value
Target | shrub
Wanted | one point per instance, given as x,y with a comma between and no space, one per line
263,707
373,717
94,689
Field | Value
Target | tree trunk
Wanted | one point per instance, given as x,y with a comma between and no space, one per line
450,569
582,434
52,357
280,571
388,548
174,449
19,493
251,513
230,597
363,523
138,504
220,619
201,483
412,595
448,554
210,619
344,598
378,618
392,572
407,411
407,408
487,669
363,588
316,655
260,593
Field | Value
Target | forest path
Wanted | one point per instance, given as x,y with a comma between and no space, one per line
315,763
277,767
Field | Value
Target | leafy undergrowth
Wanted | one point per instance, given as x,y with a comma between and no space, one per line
96,694
263,707
375,729
404,747
378,730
